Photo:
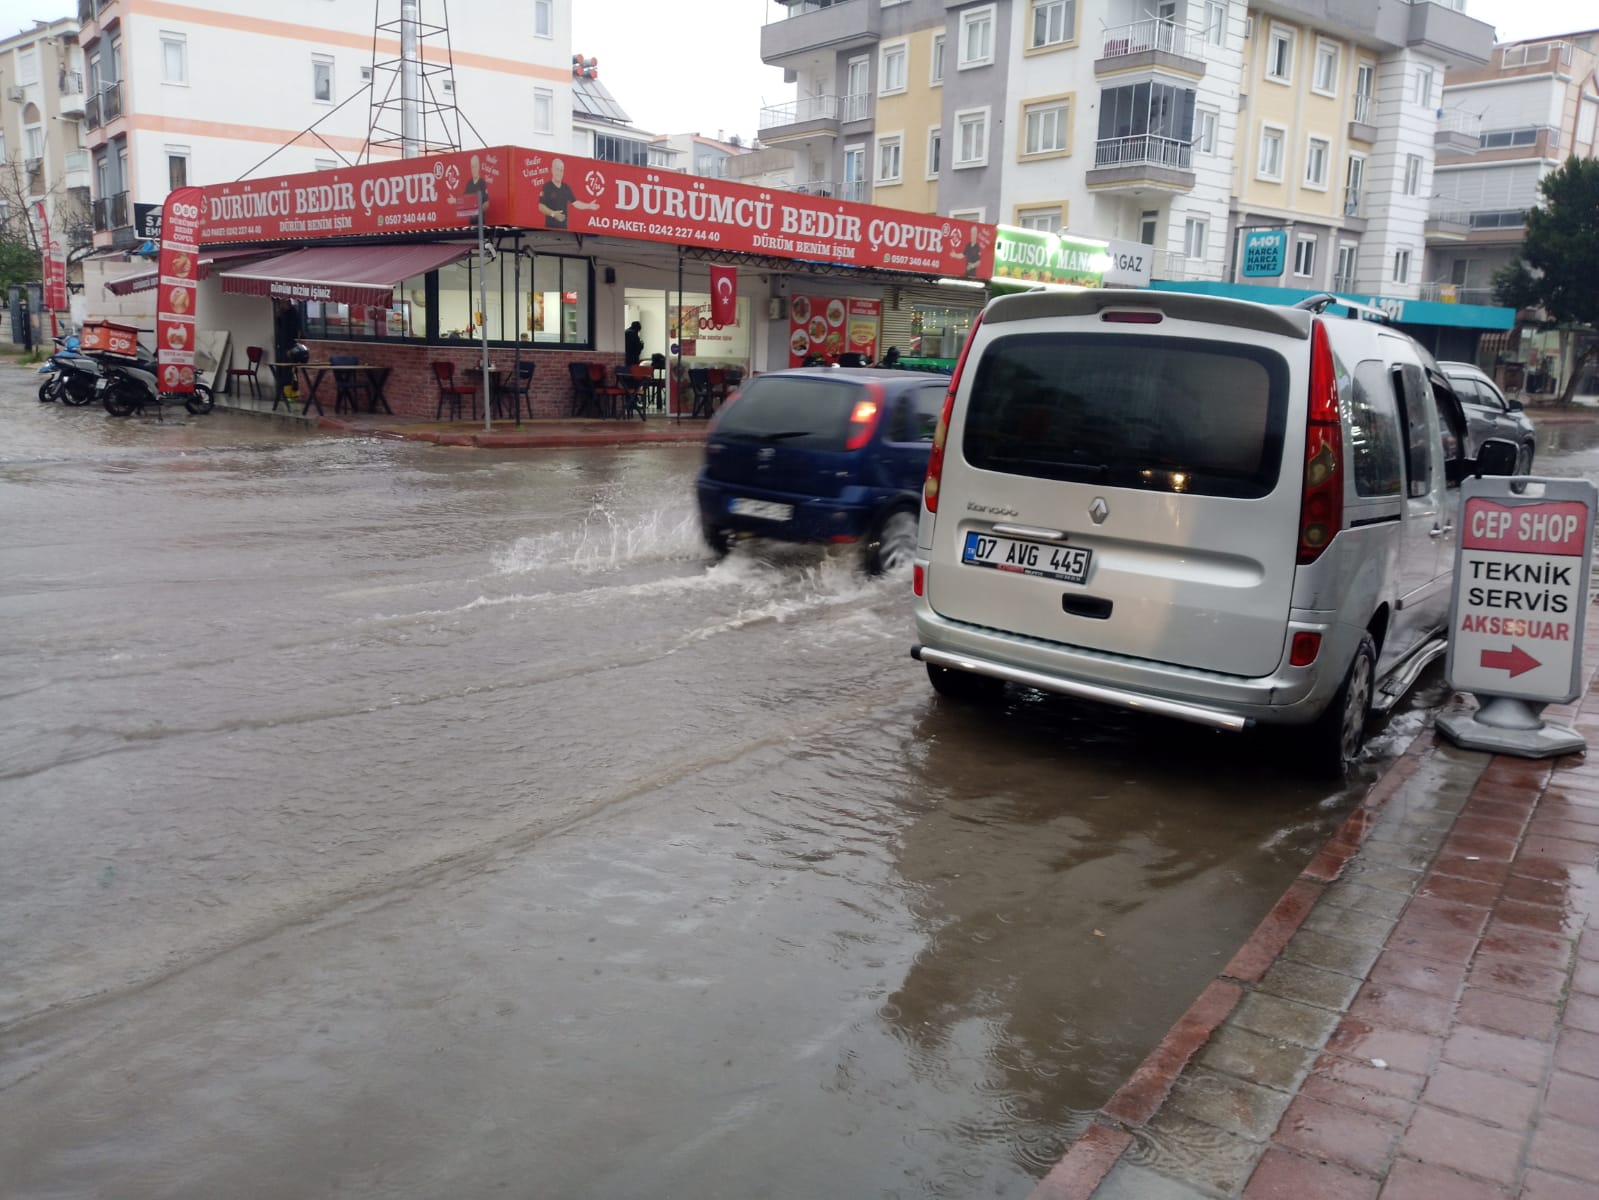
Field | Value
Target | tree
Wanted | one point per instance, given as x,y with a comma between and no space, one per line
1558,270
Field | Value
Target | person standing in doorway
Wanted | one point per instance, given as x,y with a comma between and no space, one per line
634,343
285,333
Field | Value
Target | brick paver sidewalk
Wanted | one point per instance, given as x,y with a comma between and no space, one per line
1417,1018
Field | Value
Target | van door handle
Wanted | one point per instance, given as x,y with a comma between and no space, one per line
1440,530
1031,531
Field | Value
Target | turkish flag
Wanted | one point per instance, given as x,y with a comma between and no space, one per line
724,295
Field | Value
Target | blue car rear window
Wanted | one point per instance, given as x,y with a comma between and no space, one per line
800,411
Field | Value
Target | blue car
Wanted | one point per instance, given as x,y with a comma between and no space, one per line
823,455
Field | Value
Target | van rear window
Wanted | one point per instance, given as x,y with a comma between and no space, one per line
1168,414
793,410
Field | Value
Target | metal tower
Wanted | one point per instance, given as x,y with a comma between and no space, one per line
412,95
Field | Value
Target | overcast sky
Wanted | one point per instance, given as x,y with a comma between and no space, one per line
696,68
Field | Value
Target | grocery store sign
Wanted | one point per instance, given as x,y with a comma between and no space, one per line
1037,256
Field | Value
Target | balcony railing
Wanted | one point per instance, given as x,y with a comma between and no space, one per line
857,106
802,7
1143,36
70,83
795,112
1461,122
1363,107
1442,214
854,189
91,113
1169,264
826,188
111,96
111,212
1344,283
1352,199
1143,149
1456,294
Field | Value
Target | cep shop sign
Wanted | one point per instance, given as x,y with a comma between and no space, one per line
1265,253
1521,589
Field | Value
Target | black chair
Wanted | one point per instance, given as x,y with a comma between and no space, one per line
699,380
520,390
633,380
450,392
583,397
655,387
348,388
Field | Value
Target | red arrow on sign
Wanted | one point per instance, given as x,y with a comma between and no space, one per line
1515,660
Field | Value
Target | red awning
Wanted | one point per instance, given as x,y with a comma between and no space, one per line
146,281
342,274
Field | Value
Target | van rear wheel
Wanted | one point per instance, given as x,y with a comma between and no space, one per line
1335,738
964,685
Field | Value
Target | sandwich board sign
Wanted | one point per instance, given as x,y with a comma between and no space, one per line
1518,612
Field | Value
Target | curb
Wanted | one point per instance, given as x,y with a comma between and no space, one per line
1092,1156
566,440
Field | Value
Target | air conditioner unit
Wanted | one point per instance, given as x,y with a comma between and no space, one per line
14,93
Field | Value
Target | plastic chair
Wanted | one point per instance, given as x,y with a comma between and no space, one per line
450,392
255,355
519,389
609,395
347,388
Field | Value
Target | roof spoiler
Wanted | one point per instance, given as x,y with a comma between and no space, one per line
1322,301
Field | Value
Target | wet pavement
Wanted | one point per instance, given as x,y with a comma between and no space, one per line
401,819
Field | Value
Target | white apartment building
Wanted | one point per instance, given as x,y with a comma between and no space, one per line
186,92
1177,123
42,154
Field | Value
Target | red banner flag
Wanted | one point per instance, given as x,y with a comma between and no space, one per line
179,270
724,295
55,265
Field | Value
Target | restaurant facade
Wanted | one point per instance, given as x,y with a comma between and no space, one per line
383,261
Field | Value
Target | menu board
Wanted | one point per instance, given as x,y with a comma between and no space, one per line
830,326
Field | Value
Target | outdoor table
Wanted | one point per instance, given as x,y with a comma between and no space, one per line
312,374
492,396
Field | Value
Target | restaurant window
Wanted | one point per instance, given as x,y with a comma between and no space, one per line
938,332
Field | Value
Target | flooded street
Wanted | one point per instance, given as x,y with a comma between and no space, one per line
392,820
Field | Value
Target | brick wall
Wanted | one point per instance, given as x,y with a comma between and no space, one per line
412,392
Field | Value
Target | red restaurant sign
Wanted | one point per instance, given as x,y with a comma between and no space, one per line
408,195
533,189
55,265
179,268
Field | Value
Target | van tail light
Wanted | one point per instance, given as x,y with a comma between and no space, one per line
1303,649
935,460
1321,509
864,417
918,580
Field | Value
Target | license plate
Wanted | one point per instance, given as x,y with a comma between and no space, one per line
766,510
1066,563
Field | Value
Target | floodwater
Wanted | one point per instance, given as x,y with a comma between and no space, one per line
393,820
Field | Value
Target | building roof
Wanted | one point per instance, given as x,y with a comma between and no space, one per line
591,99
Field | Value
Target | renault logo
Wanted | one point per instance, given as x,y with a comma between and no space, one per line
1098,510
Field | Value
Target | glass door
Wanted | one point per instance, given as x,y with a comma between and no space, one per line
857,89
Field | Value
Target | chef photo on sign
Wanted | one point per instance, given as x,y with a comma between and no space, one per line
557,196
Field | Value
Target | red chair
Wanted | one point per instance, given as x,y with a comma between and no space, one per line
609,395
254,354
451,392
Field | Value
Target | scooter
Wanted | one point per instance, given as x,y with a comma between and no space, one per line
129,386
72,375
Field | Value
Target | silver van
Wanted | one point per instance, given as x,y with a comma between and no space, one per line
1215,510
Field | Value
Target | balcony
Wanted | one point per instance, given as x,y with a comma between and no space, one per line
70,85
1454,293
1142,160
1361,126
1150,43
1444,32
857,190
827,189
1523,142
1458,133
1168,264
812,26
75,169
800,120
1354,208
103,107
33,173
1446,225
112,213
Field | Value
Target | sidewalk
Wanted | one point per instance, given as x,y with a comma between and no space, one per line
1416,1019
532,433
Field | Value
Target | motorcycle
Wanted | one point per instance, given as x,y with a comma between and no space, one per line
128,386
72,374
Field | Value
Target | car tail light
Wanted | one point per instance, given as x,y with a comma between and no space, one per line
1133,317
1303,649
864,417
1321,509
918,579
935,460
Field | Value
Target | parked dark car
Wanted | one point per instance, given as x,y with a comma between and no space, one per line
822,455
1489,414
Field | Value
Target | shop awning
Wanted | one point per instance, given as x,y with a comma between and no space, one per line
145,281
342,274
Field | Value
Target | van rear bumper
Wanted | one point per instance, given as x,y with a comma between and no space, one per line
1288,696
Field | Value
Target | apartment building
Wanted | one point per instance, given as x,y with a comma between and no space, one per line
42,154
1182,124
185,92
